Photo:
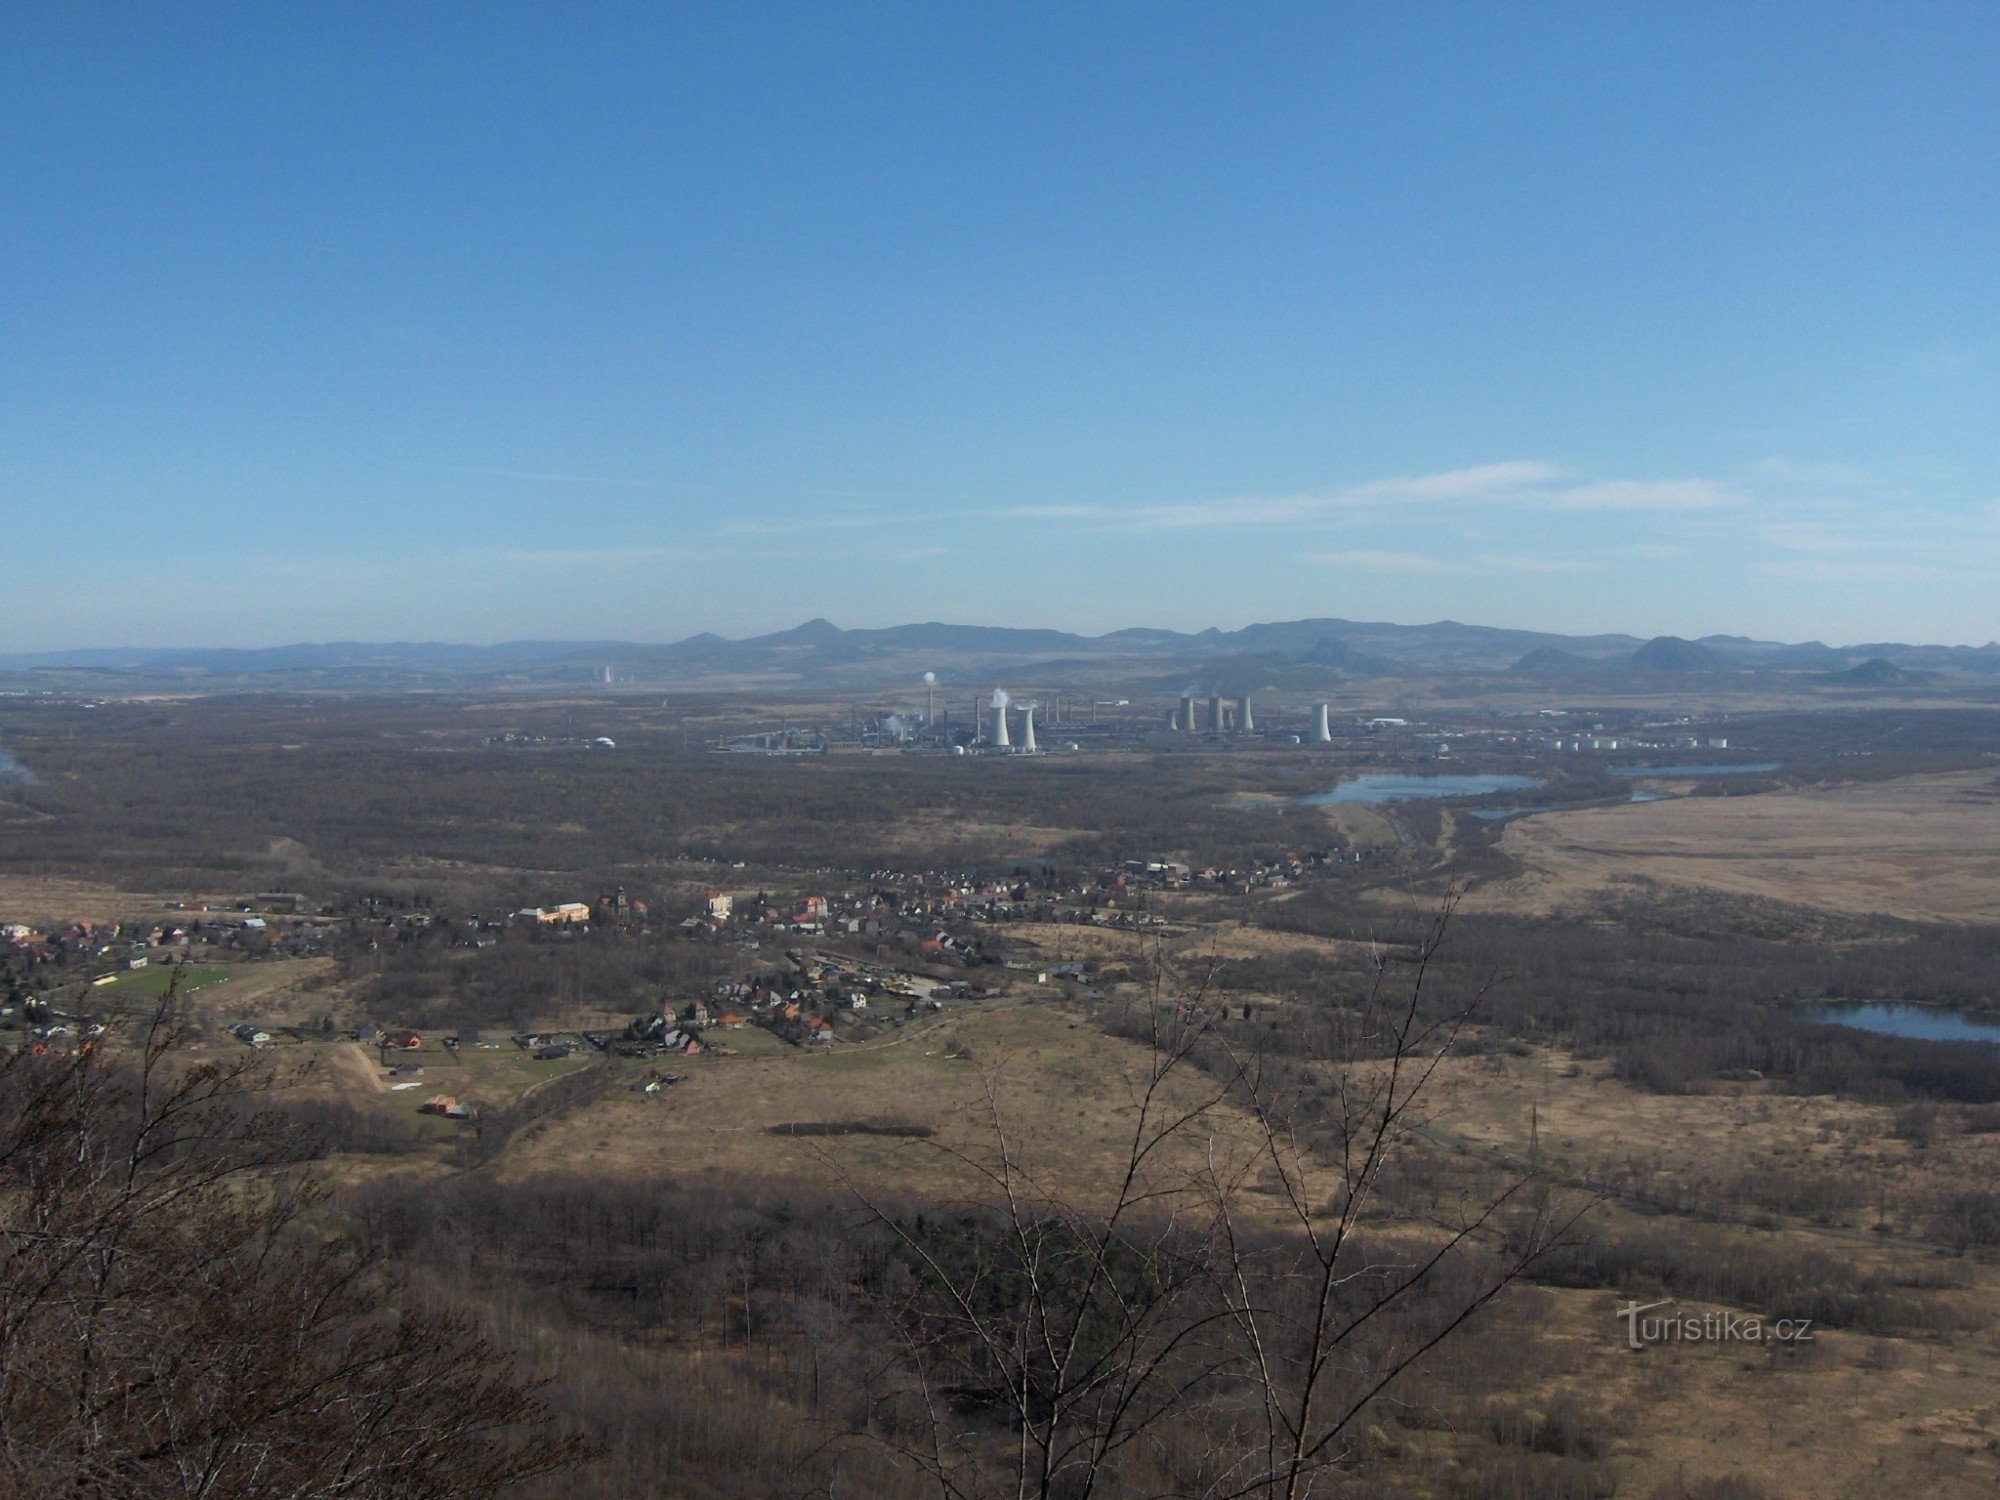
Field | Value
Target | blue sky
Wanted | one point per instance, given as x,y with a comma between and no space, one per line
476,322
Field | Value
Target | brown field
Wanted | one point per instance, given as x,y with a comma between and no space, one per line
1064,1090
38,901
1363,827
1182,949
1924,847
1587,1124
279,991
1856,1414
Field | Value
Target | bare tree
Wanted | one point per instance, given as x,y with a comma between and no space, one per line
175,1320
1081,1325
1346,1293
1215,1320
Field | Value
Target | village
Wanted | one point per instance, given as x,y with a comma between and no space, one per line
801,970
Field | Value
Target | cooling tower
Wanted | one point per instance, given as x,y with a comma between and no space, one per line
1215,713
1322,730
999,735
1028,730
1187,713
1244,723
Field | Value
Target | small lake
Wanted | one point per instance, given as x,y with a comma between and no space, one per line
1923,1023
1746,769
1386,786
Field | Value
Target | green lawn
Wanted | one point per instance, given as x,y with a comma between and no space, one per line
150,983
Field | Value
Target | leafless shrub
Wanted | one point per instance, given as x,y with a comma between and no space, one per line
1217,1321
173,1324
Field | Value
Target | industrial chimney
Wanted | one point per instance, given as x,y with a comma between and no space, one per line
1322,730
1000,719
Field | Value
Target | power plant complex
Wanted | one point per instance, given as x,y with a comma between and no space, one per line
1000,723
1224,716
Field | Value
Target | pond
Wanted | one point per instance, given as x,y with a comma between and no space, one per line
1746,768
1386,786
1924,1023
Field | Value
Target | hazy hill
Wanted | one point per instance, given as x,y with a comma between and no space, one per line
1553,661
821,655
1669,653
1876,672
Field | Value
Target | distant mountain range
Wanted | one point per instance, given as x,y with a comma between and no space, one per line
1293,654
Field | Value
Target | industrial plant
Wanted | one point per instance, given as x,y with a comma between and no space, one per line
1000,722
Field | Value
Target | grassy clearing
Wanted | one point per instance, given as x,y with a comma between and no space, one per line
751,1041
150,983
1064,1088
1921,847
1364,827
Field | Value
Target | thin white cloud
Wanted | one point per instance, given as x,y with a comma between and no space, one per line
545,476
1058,513
587,557
1241,510
847,521
1480,482
1519,485
1807,536
1530,562
1880,571
1366,560
1641,494
1818,475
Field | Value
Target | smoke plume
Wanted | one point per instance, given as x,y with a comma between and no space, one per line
11,770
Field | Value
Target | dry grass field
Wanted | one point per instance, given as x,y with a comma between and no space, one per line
40,901
1854,1415
1924,847
1064,1091
1705,1148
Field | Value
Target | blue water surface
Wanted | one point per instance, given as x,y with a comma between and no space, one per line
1385,786
1924,1023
